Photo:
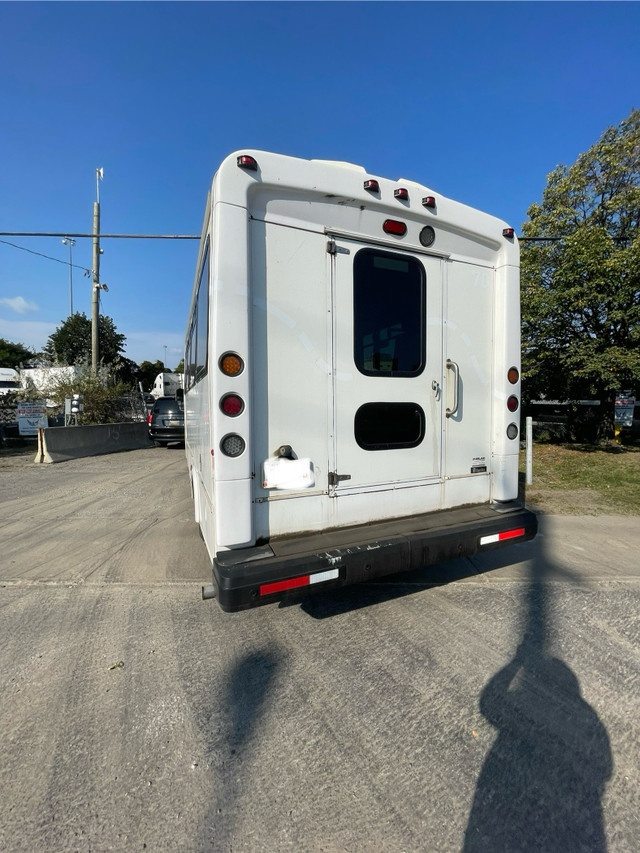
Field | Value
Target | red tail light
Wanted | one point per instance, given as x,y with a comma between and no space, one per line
232,405
149,418
393,226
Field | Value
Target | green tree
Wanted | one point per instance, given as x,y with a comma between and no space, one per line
71,342
12,354
581,292
147,372
180,367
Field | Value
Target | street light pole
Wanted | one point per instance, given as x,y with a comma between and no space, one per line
69,241
95,290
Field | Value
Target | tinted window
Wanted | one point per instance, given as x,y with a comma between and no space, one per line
388,310
166,406
389,426
197,339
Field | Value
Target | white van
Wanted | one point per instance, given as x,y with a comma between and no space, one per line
352,378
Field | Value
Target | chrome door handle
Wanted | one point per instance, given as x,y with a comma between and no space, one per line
451,365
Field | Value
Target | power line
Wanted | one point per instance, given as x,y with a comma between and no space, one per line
48,257
101,236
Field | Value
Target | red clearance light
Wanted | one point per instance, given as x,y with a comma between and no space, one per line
401,193
429,201
394,226
512,404
508,232
372,186
246,162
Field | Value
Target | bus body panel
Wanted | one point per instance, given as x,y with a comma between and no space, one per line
368,381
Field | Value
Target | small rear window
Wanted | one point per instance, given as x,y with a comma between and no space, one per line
389,426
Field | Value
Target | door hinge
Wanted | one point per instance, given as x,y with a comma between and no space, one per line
334,478
336,250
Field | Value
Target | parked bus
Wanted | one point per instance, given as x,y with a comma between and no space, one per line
352,379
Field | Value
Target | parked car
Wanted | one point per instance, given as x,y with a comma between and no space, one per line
166,421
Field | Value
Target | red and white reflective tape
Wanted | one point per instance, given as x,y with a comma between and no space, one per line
304,580
500,537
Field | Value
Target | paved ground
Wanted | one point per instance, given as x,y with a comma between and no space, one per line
495,713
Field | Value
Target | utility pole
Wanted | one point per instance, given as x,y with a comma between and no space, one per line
69,241
95,292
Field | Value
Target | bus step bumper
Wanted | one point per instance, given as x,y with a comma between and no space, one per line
250,577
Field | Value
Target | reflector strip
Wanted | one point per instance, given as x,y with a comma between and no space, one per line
304,580
500,537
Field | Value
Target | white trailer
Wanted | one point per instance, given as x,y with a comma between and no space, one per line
9,380
166,384
352,379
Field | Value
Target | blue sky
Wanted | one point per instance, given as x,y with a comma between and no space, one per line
478,101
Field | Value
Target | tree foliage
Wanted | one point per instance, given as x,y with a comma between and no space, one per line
71,342
148,371
102,398
581,293
11,355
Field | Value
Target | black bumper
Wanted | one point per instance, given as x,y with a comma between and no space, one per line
250,577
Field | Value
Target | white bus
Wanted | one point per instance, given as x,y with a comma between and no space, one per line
352,379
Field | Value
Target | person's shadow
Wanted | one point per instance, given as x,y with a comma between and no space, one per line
541,785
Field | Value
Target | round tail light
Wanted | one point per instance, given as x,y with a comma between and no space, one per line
232,445
231,364
232,405
512,404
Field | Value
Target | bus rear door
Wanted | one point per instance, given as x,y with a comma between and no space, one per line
387,310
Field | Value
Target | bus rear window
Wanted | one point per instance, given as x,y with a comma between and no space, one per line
388,310
389,426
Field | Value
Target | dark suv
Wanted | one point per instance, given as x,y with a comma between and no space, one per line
166,421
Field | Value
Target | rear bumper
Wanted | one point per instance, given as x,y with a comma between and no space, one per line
250,577
166,434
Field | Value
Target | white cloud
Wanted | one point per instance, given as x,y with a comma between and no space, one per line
27,332
19,304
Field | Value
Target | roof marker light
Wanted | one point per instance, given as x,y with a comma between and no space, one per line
372,186
429,201
401,193
508,232
394,226
246,162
